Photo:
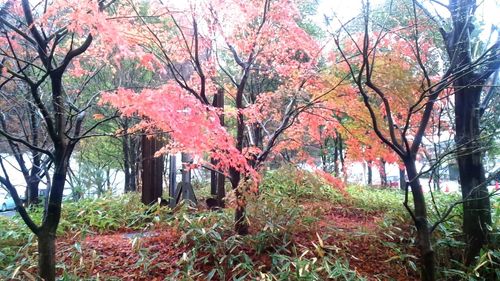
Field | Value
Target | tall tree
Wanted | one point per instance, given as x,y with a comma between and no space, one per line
209,49
392,67
468,87
39,48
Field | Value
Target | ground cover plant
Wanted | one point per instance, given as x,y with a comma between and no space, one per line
316,234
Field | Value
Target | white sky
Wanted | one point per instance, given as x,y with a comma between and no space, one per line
488,10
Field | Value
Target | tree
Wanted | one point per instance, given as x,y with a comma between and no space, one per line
25,121
468,88
98,159
399,109
208,49
39,48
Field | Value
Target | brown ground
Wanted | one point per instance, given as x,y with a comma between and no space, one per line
357,236
121,256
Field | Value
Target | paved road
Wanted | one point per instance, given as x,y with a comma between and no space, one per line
8,214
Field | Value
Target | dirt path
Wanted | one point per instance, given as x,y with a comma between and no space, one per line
125,256
359,238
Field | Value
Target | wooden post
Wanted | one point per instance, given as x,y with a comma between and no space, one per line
152,170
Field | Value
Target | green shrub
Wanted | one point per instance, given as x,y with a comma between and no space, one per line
292,182
375,199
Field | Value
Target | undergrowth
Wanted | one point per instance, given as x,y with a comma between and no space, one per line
85,217
270,252
267,253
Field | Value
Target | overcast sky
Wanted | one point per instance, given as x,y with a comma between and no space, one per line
489,10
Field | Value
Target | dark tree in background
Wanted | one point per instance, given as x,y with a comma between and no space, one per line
152,169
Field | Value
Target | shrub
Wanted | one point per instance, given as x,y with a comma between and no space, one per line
292,182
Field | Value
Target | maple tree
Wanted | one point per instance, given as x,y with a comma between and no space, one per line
235,50
399,98
40,47
338,119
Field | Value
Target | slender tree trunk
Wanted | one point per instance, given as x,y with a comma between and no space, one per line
427,259
129,158
402,179
370,173
342,158
323,158
336,156
126,163
213,179
47,256
33,180
221,190
134,163
240,222
383,173
108,178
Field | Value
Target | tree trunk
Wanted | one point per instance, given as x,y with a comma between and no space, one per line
47,235
467,91
126,163
47,255
221,190
134,163
342,158
32,189
108,179
172,179
402,179
477,215
129,158
336,156
427,260
370,173
217,180
213,179
240,222
33,180
217,186
152,173
383,173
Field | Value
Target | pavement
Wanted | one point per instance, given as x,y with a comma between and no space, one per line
8,214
